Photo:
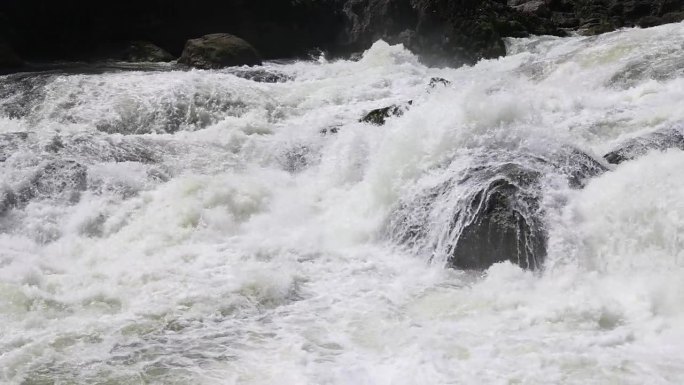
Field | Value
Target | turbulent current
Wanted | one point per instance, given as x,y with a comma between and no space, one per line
161,226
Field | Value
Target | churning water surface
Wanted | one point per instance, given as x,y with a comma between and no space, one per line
199,227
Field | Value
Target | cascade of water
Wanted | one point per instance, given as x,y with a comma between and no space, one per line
230,226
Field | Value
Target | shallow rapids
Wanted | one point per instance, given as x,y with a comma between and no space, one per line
160,226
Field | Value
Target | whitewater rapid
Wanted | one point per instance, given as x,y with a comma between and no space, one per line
228,231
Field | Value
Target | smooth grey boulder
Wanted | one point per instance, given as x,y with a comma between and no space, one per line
217,51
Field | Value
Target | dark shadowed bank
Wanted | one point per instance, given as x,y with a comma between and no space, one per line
442,32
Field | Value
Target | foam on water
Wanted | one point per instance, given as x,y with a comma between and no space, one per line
223,239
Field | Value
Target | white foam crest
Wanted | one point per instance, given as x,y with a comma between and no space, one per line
630,219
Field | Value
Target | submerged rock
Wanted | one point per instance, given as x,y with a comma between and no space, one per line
261,76
634,148
490,212
59,179
65,178
296,158
661,66
217,51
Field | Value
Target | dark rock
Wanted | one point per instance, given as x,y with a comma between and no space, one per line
330,130
635,9
577,166
504,218
501,221
492,212
217,51
536,7
144,51
441,32
599,16
634,148
649,21
380,115
261,76
566,20
596,28
138,51
673,17
43,30
434,82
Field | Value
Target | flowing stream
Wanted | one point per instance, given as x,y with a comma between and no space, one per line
161,226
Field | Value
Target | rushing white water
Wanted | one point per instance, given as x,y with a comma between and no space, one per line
215,235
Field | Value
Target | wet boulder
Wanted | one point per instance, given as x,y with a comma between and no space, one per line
378,116
217,51
491,211
501,220
636,147
434,82
260,75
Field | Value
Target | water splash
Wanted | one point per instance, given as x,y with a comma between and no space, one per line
227,234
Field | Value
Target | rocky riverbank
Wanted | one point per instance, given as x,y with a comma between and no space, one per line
442,32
